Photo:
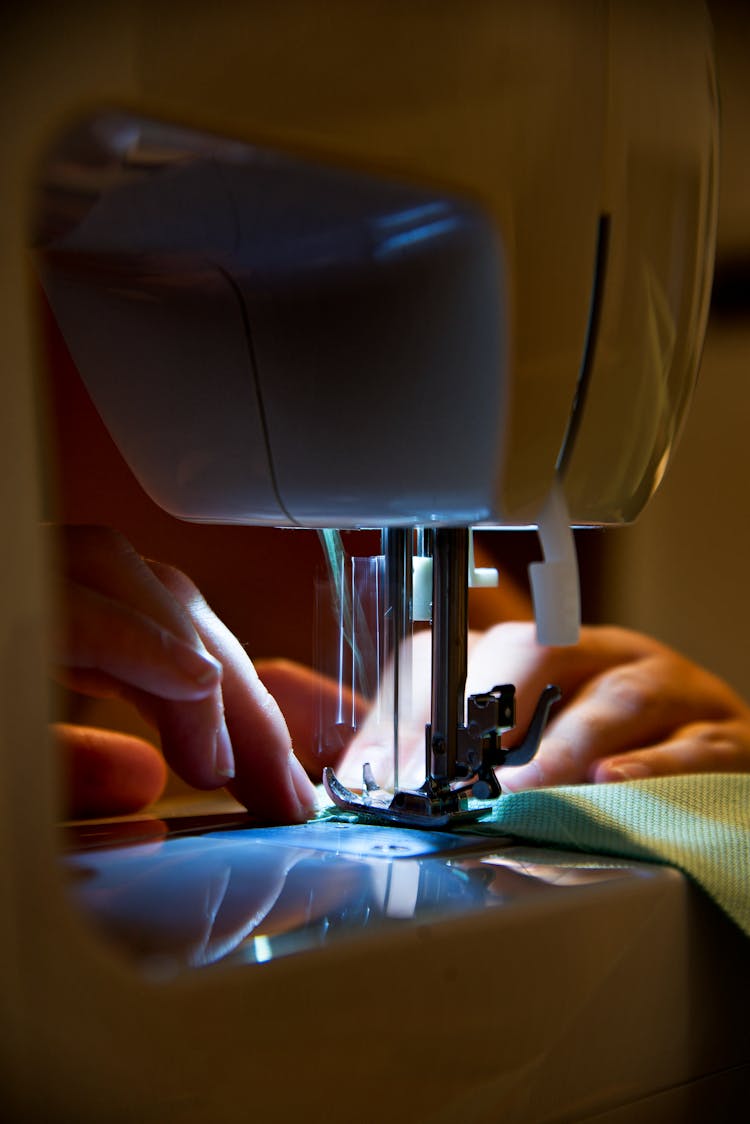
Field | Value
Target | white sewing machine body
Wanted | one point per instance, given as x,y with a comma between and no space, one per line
522,297
552,1006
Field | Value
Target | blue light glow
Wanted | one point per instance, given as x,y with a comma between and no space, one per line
418,234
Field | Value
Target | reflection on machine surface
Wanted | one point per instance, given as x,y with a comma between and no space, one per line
248,895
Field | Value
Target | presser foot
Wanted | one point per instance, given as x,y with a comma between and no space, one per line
441,803
429,807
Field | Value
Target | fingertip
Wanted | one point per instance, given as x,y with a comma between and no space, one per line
518,778
193,739
304,789
613,771
289,798
223,754
107,773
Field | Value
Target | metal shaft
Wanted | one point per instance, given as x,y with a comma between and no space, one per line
450,580
397,546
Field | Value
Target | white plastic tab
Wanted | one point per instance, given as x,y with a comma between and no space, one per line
482,577
554,583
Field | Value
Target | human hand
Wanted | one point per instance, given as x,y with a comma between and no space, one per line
141,630
631,707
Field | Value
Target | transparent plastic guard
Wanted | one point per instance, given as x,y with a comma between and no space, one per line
363,652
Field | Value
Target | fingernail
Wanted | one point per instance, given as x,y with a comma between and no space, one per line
224,754
517,778
628,771
199,667
303,787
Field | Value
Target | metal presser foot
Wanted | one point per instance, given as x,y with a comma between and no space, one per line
444,803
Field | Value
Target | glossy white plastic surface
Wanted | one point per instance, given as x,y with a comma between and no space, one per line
407,319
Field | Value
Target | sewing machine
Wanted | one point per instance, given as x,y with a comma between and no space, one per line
489,230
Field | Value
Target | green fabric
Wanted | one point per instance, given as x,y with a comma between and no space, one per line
699,823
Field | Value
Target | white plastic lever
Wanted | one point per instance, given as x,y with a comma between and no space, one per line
554,583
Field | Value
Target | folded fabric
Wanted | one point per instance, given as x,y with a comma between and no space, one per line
699,823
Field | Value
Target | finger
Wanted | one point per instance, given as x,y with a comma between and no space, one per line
269,780
307,700
109,639
103,560
701,747
134,601
194,737
107,774
632,705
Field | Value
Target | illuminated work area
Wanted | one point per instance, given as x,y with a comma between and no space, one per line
329,307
